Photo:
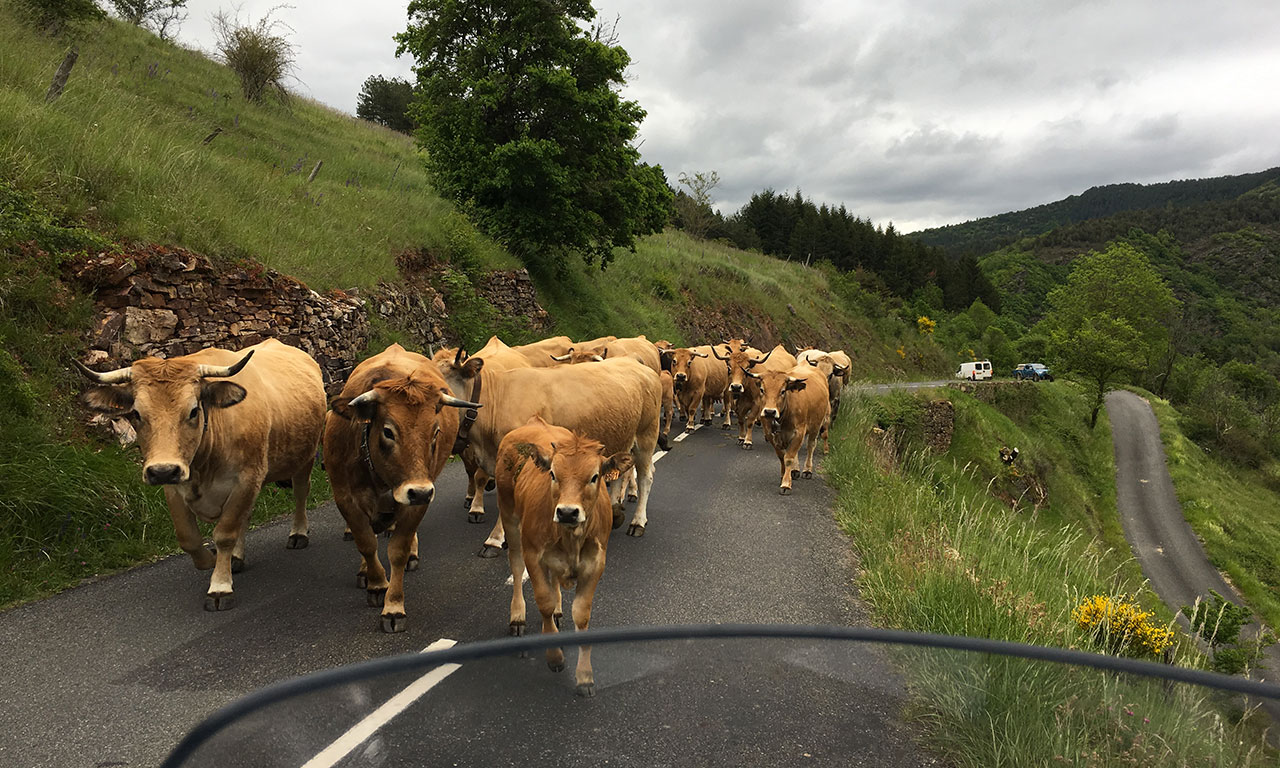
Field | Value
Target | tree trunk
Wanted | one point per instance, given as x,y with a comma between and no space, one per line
60,77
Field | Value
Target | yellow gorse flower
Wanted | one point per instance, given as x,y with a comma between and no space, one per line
1122,626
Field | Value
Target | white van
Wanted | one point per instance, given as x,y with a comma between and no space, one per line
974,371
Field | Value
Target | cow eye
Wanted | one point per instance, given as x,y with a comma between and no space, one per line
595,477
553,475
195,412
388,434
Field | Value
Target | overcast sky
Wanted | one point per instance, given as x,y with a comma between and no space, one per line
919,112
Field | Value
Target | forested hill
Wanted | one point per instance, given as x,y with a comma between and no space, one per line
1222,259
982,236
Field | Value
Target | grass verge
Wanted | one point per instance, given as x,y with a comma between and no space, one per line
945,546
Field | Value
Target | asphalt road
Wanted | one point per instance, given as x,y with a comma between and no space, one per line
1164,544
114,672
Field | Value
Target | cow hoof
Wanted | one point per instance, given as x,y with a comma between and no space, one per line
618,519
807,475
475,517
393,623
376,597
220,602
725,426
517,629
489,486
362,581
784,490
795,473
413,563
741,441
556,618
556,666
237,564
663,443
347,535
748,447
632,497
488,551
297,541
586,690
636,530
466,503
706,421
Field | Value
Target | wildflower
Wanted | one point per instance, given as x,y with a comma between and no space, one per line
1122,626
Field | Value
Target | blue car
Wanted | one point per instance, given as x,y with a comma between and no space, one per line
1032,372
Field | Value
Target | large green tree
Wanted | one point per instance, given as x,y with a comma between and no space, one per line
1110,318
386,101
519,112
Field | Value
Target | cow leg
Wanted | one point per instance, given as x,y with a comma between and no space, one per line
813,447
184,525
726,410
583,595
548,604
470,464
708,405
407,521
237,552
412,565
644,474
496,542
515,557
789,460
480,480
299,528
629,486
227,533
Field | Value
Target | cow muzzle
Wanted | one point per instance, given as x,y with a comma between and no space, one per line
736,389
164,474
569,515
414,495
770,413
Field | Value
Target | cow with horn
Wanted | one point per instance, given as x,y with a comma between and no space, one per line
214,426
390,433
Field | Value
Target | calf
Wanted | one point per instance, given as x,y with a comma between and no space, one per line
795,406
555,507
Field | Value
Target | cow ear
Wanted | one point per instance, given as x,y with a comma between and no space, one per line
619,463
795,385
221,394
114,401
472,367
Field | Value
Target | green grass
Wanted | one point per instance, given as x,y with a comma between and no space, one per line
1233,511
942,548
123,149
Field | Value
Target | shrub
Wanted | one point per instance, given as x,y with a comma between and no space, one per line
258,53
1122,627
1218,622
54,16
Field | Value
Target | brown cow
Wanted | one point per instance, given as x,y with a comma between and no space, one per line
636,347
615,401
698,381
385,442
834,372
537,353
555,506
213,427
795,405
738,362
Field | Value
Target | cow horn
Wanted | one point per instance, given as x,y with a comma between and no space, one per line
562,358
223,371
761,360
813,362
367,397
459,356
752,375
840,370
457,402
118,376
698,354
718,357
605,355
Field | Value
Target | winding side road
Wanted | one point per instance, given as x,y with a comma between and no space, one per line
1166,547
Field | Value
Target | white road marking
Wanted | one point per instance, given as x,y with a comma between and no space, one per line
687,432
362,730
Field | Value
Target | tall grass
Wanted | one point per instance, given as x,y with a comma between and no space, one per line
124,148
940,553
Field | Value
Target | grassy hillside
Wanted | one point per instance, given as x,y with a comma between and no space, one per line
944,548
123,149
993,232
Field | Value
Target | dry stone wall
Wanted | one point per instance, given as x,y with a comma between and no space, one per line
164,302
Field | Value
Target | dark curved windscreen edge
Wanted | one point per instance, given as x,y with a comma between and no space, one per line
331,678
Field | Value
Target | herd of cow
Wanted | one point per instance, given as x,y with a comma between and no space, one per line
563,430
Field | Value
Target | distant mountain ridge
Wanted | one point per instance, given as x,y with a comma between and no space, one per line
985,235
